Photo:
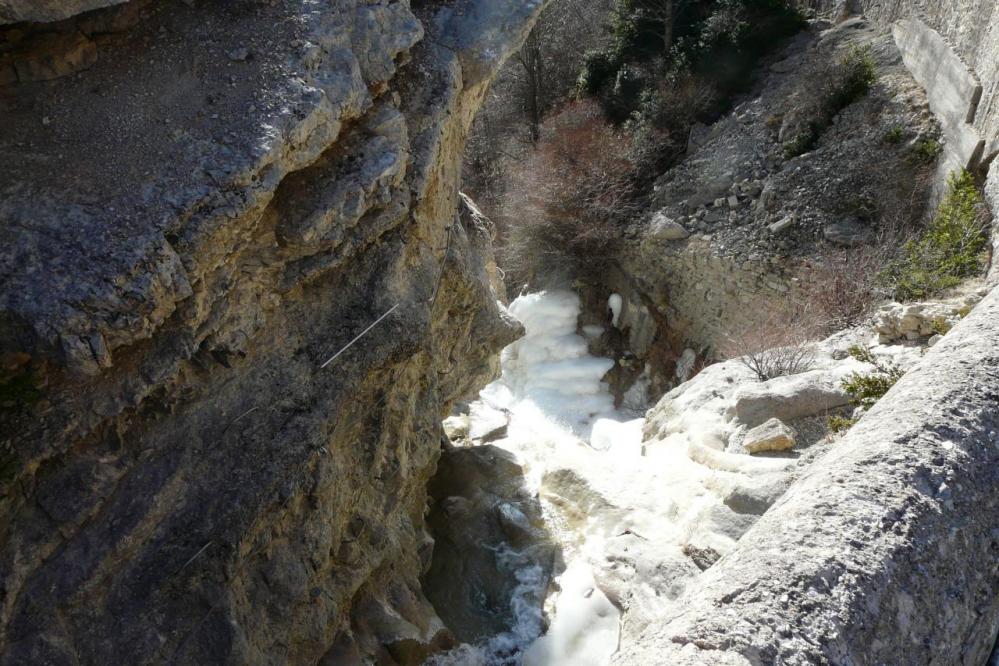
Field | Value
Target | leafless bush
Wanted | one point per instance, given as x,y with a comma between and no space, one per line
843,286
564,211
779,345
662,124
792,359
536,80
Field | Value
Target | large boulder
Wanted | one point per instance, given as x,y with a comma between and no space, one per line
789,398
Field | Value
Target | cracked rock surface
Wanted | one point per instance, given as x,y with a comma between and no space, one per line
883,551
189,229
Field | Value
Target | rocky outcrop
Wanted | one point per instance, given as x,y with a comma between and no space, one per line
13,11
757,222
884,551
236,300
492,553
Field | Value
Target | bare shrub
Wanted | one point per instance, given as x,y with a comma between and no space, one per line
661,125
536,80
779,345
566,206
791,359
843,285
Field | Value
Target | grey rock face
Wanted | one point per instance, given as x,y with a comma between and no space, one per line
847,233
487,526
183,246
14,11
882,552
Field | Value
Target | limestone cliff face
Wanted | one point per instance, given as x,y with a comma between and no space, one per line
190,227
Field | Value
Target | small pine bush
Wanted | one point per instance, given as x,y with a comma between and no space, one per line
857,75
838,424
926,151
866,389
894,135
599,67
950,250
803,141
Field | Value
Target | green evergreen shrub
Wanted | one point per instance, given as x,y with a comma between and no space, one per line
865,389
950,250
894,135
926,151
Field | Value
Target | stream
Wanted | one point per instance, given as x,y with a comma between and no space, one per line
583,459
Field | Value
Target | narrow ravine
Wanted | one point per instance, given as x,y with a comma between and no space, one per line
569,527
598,488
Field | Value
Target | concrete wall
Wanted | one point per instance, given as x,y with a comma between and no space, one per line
952,88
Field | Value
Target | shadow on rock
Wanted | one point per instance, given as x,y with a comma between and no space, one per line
493,557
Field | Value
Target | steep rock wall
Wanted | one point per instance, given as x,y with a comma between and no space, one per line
189,230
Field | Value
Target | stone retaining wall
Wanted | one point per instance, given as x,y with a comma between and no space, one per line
708,296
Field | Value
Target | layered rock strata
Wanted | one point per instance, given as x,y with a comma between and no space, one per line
236,300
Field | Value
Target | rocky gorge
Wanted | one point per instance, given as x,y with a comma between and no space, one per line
264,398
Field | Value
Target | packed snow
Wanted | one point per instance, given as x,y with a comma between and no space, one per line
638,506
596,481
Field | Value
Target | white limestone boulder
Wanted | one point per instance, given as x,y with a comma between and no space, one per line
773,435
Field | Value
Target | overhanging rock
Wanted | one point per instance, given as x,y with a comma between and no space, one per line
13,11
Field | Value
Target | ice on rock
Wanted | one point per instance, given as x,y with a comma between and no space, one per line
548,374
615,303
615,498
586,626
624,438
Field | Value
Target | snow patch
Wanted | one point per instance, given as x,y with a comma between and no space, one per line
615,303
